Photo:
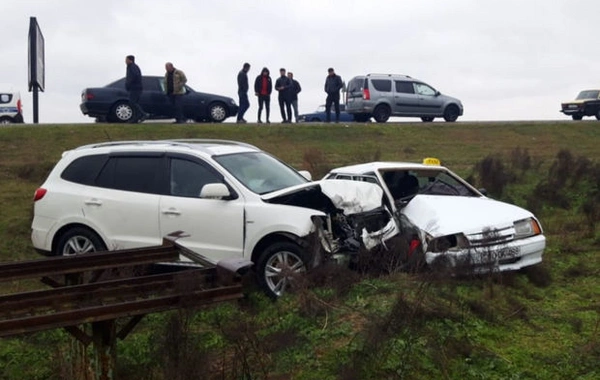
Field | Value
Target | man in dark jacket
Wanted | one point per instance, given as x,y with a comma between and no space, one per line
242,81
294,91
133,85
262,88
283,85
333,85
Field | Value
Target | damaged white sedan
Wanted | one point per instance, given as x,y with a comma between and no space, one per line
232,199
453,224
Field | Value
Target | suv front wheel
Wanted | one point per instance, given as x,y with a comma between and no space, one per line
451,113
381,113
278,265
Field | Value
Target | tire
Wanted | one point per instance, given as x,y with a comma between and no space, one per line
276,258
577,117
217,112
121,112
382,113
427,119
598,115
79,240
361,117
451,113
6,120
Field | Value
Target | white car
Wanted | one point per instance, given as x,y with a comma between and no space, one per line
11,110
233,199
457,226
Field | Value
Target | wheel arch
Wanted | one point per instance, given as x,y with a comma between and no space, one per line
62,230
273,238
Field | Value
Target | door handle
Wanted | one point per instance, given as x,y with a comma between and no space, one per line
171,211
93,202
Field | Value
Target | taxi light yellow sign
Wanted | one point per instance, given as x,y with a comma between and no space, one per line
431,161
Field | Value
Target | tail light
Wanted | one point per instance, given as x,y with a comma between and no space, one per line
39,194
366,94
88,95
19,107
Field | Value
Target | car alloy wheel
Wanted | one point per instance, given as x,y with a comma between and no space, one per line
218,112
451,113
123,112
381,114
79,240
278,266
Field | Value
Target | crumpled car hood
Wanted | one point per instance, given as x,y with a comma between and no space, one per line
441,215
351,196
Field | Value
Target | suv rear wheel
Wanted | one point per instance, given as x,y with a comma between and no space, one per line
79,240
381,113
451,113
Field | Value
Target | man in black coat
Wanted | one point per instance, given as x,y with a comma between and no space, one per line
333,85
283,85
133,85
294,91
242,81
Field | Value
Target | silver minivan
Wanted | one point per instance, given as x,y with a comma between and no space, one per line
383,95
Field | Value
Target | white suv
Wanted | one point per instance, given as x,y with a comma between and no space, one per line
11,110
233,199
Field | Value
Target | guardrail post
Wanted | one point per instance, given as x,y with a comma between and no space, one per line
104,338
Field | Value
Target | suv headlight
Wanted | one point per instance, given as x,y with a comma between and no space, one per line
526,228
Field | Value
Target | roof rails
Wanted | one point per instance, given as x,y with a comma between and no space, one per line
176,142
390,75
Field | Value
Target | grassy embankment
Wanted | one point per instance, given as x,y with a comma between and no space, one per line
543,323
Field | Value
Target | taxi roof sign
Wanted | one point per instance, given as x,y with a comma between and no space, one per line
431,161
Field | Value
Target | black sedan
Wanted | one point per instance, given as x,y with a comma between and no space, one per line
111,103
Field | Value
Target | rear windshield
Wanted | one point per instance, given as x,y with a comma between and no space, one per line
591,94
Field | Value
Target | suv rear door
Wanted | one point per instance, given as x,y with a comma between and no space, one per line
406,102
354,94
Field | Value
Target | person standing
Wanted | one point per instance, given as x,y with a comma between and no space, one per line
242,81
263,87
294,91
283,84
174,82
133,85
333,85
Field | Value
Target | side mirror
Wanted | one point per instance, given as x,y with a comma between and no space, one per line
437,93
306,174
214,191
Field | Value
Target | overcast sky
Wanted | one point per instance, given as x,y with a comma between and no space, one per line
505,59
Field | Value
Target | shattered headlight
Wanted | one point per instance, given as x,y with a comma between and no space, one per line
448,242
526,228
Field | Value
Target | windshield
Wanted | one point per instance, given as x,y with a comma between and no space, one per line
404,184
260,172
591,94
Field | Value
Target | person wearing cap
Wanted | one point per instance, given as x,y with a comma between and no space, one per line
333,85
242,81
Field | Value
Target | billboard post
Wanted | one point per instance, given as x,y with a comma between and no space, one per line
36,63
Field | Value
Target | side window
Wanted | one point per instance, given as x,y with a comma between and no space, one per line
151,83
404,87
423,89
84,170
187,178
140,174
384,85
355,85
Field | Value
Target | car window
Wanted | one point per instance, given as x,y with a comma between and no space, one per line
423,89
152,83
592,94
5,98
139,173
84,170
117,84
355,85
404,87
187,178
384,85
260,172
405,183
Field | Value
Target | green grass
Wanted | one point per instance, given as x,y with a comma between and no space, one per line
542,323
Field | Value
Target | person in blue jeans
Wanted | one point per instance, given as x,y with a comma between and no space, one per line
242,81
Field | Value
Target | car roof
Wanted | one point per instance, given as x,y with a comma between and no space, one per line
382,165
207,146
